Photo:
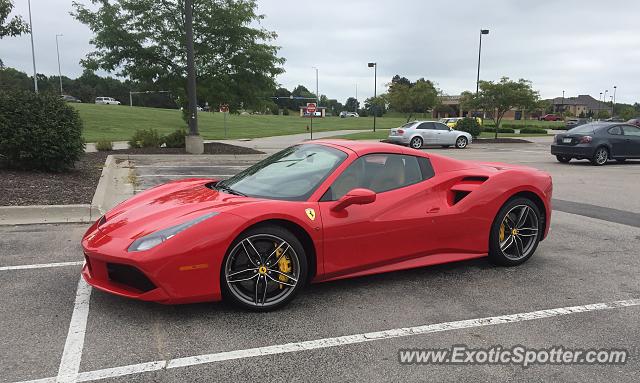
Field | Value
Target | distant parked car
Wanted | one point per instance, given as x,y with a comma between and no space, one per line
573,122
344,114
598,142
67,98
107,101
550,117
418,133
452,122
614,119
634,121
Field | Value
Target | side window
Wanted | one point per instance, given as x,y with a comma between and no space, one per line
380,173
425,125
631,131
615,130
439,126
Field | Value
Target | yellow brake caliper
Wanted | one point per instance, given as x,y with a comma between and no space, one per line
284,264
502,232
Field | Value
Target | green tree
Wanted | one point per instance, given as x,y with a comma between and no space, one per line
10,27
376,104
412,98
497,98
603,114
352,105
144,41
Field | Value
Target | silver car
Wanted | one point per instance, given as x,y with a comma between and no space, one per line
419,133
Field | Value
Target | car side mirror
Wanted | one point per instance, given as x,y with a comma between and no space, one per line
355,197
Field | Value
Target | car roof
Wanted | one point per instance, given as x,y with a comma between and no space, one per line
360,147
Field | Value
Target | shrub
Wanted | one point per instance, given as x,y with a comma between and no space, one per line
285,111
104,145
501,130
469,125
532,130
39,131
145,138
175,139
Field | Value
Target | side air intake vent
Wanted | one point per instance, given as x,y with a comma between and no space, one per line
458,195
478,179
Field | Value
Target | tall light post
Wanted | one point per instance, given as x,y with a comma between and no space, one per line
599,104
193,142
563,102
33,51
59,70
613,105
356,107
317,94
375,92
482,32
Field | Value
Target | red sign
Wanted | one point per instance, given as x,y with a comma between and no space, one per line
311,108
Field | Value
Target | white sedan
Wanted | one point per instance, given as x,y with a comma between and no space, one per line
419,133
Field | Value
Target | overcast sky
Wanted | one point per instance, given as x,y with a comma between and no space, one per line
580,46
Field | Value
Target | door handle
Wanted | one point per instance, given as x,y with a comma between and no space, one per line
433,210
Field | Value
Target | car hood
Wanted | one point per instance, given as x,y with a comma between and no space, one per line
166,206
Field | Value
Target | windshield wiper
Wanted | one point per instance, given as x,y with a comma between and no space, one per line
225,188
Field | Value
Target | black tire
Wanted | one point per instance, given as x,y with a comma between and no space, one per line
416,142
507,256
621,160
261,235
600,156
461,142
563,159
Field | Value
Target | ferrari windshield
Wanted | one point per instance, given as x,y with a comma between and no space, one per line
292,174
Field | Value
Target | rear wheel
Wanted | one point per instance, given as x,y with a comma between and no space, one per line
563,159
461,142
600,156
515,233
265,268
416,142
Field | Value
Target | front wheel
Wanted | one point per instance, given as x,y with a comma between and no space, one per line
600,156
563,159
265,268
515,233
416,142
462,142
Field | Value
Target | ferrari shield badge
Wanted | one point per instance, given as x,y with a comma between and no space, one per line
311,213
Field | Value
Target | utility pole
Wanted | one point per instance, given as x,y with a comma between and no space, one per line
317,94
482,32
59,70
33,51
563,103
613,106
356,106
193,142
375,95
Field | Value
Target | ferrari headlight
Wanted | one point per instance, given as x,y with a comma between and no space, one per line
154,239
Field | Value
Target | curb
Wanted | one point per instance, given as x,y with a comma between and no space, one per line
114,187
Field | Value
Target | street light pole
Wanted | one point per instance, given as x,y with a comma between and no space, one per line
563,102
33,51
317,94
375,92
59,70
194,143
482,32
613,106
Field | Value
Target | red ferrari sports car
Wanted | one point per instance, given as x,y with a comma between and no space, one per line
314,212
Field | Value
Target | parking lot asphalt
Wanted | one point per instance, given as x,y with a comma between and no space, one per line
584,261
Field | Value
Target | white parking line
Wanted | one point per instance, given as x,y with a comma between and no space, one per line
184,175
342,341
40,266
72,353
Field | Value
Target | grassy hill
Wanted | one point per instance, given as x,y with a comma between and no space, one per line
118,123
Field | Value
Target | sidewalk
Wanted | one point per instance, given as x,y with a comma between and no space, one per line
265,144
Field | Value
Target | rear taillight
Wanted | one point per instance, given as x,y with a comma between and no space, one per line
400,131
586,139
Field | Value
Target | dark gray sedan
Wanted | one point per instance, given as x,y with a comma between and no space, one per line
598,142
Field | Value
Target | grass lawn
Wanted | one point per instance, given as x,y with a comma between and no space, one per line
119,122
384,133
